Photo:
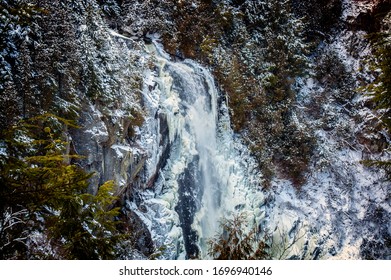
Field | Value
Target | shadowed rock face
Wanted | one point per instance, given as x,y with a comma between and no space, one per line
141,239
323,19
321,16
190,194
370,20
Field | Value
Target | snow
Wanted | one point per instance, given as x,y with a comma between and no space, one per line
116,34
120,149
335,203
330,211
351,9
98,131
195,128
3,150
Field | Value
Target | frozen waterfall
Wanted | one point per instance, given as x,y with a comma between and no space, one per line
207,174
198,172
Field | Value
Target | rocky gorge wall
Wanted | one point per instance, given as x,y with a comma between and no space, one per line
342,209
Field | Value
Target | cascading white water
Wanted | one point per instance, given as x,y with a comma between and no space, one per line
203,121
204,174
204,178
193,134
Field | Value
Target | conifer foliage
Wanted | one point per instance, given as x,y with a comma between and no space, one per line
380,90
234,243
45,210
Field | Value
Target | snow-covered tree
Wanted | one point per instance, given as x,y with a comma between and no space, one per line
235,243
42,196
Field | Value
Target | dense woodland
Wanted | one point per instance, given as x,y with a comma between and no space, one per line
57,58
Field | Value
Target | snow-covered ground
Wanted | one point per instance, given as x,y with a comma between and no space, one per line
343,209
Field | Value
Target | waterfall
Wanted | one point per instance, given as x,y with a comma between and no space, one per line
202,173
204,177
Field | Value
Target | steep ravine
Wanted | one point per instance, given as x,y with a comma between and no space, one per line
200,176
185,169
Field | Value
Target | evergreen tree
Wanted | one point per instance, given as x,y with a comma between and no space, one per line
273,52
380,90
39,59
16,18
43,193
234,243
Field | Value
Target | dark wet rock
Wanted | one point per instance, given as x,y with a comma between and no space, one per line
190,192
370,20
142,240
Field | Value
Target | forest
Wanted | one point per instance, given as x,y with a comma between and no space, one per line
108,151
